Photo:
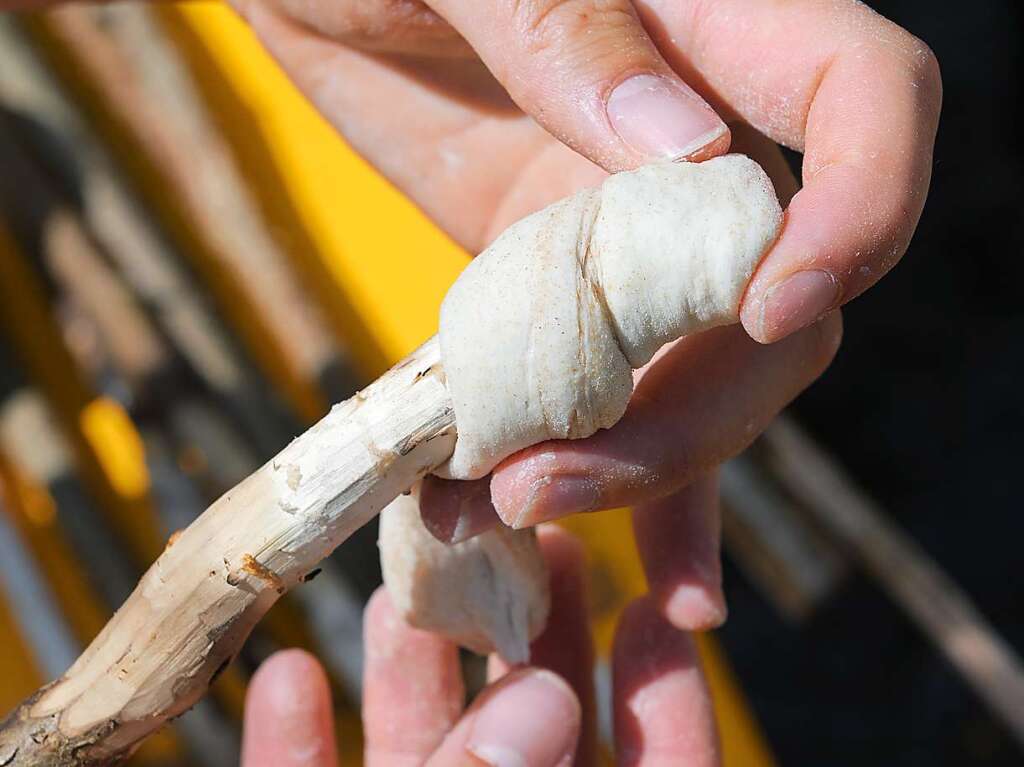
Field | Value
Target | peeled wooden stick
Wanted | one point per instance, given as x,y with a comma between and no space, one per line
195,606
539,334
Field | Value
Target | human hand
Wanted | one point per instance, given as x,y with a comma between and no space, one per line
470,107
423,91
543,716
465,105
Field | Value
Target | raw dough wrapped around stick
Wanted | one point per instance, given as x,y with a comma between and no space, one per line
489,594
540,334
538,338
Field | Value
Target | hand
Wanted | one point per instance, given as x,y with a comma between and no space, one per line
474,107
542,716
459,102
471,108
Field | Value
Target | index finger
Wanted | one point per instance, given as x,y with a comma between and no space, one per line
857,94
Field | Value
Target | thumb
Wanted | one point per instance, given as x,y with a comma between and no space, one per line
589,73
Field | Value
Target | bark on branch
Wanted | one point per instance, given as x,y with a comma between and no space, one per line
198,602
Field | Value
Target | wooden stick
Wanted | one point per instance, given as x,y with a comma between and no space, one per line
73,260
73,547
900,566
240,264
141,257
195,606
786,556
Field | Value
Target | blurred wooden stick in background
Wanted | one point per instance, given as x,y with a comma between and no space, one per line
912,578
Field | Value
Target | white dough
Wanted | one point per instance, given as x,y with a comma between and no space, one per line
539,338
540,333
489,593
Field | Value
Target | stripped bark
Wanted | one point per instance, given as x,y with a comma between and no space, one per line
195,606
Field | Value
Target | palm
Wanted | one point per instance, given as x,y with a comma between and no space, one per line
441,129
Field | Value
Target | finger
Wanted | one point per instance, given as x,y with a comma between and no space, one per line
566,646
700,402
589,73
858,94
454,511
412,688
663,712
382,26
530,718
288,714
678,538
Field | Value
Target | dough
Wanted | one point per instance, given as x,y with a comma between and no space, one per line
540,334
489,593
539,338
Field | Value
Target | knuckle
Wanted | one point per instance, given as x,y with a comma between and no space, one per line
918,61
375,25
395,17
554,25
892,49
928,71
921,65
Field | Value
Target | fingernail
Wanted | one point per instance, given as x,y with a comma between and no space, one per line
692,607
551,498
661,119
531,721
796,302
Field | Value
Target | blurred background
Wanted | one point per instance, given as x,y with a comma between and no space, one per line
193,266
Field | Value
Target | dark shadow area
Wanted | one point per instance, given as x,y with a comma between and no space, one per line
923,407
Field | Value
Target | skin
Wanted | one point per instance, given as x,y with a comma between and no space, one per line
482,111
545,713
479,142
474,109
